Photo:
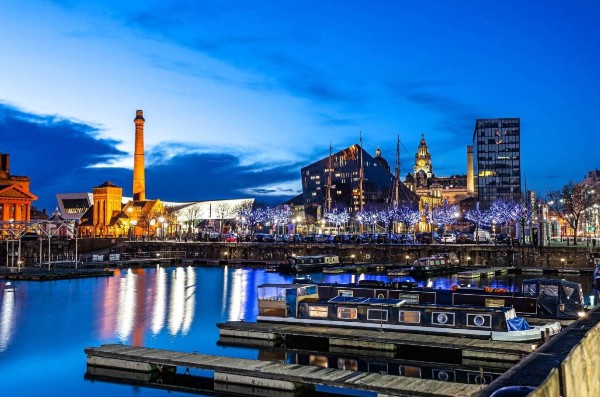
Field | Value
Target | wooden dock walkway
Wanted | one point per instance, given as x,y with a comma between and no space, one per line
270,375
484,272
42,274
472,351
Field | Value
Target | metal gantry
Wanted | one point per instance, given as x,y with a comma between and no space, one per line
14,231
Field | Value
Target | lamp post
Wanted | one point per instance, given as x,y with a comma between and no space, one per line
161,221
134,224
562,262
165,230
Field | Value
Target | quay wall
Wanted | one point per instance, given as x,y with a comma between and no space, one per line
566,365
546,257
469,254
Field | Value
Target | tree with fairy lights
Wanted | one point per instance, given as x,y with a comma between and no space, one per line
337,218
444,214
365,217
408,216
478,218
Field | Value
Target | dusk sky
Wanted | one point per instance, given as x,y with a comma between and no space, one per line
239,95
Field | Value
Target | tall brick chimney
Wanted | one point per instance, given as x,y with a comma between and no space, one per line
139,181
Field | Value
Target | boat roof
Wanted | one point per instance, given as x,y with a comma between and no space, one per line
293,286
550,281
366,301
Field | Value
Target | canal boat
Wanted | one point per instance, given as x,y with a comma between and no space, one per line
436,264
300,303
308,263
539,297
596,274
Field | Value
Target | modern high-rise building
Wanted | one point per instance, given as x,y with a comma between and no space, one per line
497,145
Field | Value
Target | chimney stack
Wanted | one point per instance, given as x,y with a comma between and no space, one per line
139,181
470,171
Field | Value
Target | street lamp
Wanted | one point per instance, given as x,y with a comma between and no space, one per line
562,262
161,221
134,224
165,230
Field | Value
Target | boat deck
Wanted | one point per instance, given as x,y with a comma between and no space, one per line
472,350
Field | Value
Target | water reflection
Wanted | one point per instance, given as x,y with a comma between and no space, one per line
135,301
7,316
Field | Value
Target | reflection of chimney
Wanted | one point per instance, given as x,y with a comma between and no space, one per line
470,172
139,182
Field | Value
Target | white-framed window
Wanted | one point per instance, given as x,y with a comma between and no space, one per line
318,311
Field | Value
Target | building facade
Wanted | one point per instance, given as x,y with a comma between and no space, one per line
15,197
433,189
497,144
335,182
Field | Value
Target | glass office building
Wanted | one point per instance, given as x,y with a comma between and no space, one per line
497,144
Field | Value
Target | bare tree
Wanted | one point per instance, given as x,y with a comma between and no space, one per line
192,214
570,203
223,210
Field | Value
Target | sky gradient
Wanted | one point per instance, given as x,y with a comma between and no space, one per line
238,96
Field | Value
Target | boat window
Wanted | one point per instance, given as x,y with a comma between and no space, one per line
568,291
377,315
348,364
495,302
318,361
530,289
409,298
442,318
317,311
409,316
377,367
345,292
347,313
411,372
549,290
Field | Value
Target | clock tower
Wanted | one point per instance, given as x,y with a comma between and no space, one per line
423,159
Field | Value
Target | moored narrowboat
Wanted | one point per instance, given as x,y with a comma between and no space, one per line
435,264
308,263
284,303
539,297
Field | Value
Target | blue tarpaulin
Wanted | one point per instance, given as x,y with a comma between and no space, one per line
517,324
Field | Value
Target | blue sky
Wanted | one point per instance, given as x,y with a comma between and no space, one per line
239,95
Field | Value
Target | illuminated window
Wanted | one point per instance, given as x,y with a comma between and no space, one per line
407,316
494,302
317,311
347,313
345,292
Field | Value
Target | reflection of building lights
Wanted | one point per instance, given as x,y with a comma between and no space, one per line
177,301
126,309
238,296
158,314
7,320
190,299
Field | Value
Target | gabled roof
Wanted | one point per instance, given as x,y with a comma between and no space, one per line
15,191
107,184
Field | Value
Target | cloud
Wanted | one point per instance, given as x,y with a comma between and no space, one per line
456,118
59,156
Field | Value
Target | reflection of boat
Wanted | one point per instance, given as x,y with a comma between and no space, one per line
300,303
545,298
435,264
308,263
445,371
